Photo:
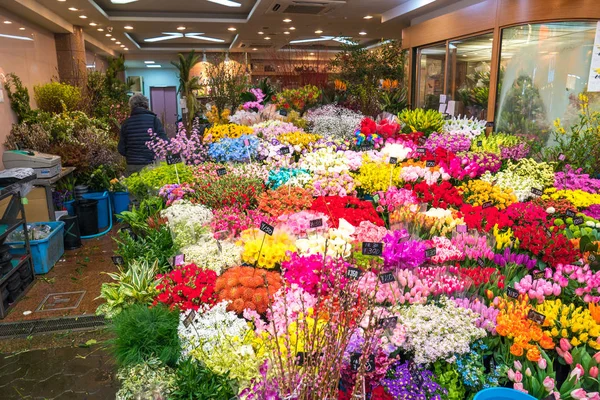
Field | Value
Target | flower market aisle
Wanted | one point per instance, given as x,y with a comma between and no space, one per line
333,256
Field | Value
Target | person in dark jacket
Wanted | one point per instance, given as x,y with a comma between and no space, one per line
134,134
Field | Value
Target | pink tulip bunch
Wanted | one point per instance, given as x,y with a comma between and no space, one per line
487,315
581,279
445,250
537,289
473,247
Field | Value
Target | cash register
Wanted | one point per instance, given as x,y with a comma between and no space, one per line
46,166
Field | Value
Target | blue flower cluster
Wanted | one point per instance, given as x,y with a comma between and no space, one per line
407,381
281,176
472,370
234,150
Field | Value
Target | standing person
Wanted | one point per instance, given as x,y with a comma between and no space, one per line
134,134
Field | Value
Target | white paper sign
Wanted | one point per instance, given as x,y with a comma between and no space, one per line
594,78
442,98
442,108
451,108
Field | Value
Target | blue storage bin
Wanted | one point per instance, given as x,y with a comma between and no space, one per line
500,393
120,202
46,252
103,206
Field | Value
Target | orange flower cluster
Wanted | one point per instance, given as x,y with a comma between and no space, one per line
340,86
246,287
389,84
595,312
284,200
526,335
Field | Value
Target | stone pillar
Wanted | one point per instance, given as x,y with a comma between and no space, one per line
70,54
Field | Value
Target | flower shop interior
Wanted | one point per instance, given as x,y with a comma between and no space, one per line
300,199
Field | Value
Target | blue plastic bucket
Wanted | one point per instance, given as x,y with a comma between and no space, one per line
120,202
70,206
500,393
45,252
103,206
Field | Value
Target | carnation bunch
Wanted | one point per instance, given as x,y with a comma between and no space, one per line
247,288
187,287
284,200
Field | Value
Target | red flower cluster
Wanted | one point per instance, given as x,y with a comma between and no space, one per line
554,250
247,287
411,137
482,276
484,219
351,209
187,287
368,126
524,214
442,195
441,156
386,129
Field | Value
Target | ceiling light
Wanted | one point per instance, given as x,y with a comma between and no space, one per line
16,37
319,32
100,30
168,36
261,33
93,24
113,39
153,66
232,29
21,29
108,35
287,20
311,54
128,27
117,42
148,62
200,37
368,17
464,55
286,33
321,39
122,1
181,28
292,28
73,9
7,22
126,48
227,3
362,33
122,45
62,1
267,38
83,16
254,49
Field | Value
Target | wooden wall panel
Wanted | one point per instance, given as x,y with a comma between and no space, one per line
512,12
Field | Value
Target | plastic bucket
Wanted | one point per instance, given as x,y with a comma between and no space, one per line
72,236
70,206
500,393
120,202
102,209
87,212
44,252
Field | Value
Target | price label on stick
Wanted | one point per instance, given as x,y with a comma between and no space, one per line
173,159
548,233
539,275
479,143
247,142
577,220
536,317
421,150
355,362
430,252
536,191
353,273
487,204
118,260
386,277
388,323
430,163
266,228
480,262
562,157
179,259
284,151
512,293
393,160
570,213
461,228
422,140
221,172
283,113
372,249
189,319
370,365
316,223
300,358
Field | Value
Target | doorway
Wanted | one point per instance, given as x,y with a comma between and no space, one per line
164,105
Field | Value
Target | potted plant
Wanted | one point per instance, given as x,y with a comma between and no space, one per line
119,196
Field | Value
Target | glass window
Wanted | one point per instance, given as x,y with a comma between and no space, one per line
469,75
543,69
431,65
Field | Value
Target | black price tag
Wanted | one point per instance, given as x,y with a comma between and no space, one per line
536,191
487,204
512,293
300,358
422,140
189,319
393,160
266,228
430,252
283,113
372,249
430,163
490,124
355,362
479,143
577,220
370,365
221,172
592,258
129,232
353,273
118,260
386,277
421,150
173,159
480,262
284,150
539,275
388,323
548,233
536,317
316,223
570,213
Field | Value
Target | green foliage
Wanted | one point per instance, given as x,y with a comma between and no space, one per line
156,244
447,376
394,100
142,333
136,285
138,217
144,381
226,80
196,382
19,98
150,180
99,179
188,84
56,97
419,120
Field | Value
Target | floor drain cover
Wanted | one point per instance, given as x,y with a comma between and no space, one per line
76,323
61,301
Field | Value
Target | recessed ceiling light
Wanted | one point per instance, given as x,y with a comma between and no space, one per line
227,3
117,42
93,24
21,29
312,54
108,35
113,39
128,27
125,48
148,62
362,33
261,33
100,30
267,38
292,28
254,49
153,66
7,22
232,29
286,33
181,28
73,9
287,20
464,55
318,32
61,1
368,17
122,45
83,16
